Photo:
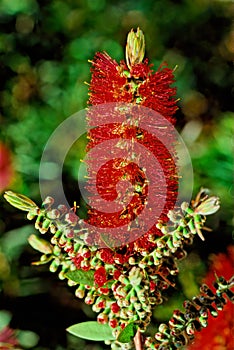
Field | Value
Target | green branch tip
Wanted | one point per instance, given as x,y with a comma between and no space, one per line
19,201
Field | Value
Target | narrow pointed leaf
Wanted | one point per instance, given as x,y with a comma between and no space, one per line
19,201
92,331
128,333
82,277
40,244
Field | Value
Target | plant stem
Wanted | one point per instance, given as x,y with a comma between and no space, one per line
137,341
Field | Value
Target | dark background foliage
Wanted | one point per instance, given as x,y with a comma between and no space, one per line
45,47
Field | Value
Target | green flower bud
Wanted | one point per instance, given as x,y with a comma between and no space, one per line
32,213
61,275
135,48
56,250
190,329
209,206
54,265
80,292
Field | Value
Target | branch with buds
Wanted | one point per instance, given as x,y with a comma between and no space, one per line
127,293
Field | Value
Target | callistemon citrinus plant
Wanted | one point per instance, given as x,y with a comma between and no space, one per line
122,274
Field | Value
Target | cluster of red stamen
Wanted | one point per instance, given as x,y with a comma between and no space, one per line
139,85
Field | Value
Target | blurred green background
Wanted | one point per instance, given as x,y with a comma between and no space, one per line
45,47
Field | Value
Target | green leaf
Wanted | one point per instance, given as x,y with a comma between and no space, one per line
19,201
27,339
40,244
127,333
91,330
82,277
5,318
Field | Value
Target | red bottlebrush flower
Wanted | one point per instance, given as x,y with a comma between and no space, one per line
111,82
108,83
221,264
8,339
219,333
137,84
100,276
6,167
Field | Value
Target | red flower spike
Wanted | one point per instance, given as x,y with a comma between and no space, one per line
6,167
8,339
135,83
219,333
222,265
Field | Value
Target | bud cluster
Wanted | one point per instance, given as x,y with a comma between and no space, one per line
181,327
124,290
